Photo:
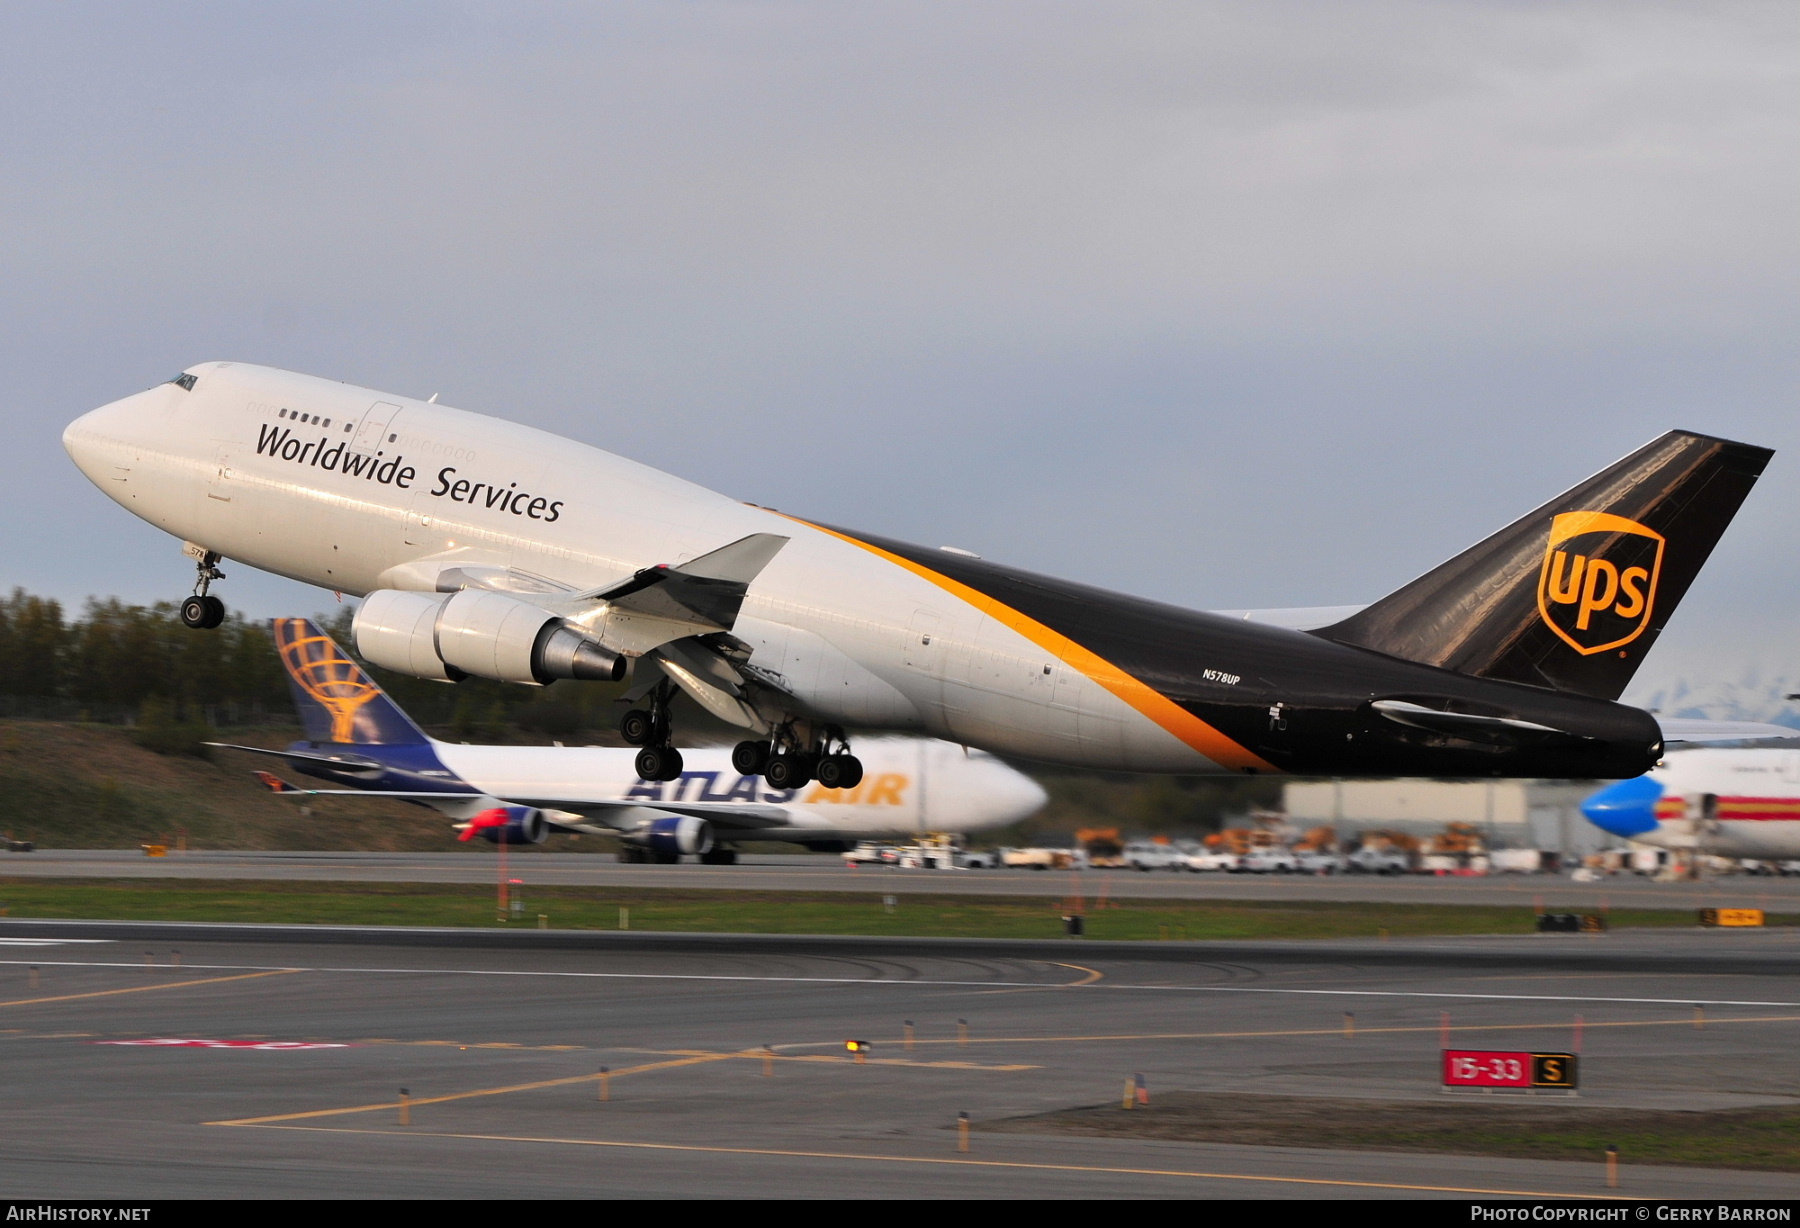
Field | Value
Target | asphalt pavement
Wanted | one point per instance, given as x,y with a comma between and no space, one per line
196,1063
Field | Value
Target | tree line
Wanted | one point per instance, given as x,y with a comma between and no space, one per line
118,662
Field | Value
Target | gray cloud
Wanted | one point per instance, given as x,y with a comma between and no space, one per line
1229,304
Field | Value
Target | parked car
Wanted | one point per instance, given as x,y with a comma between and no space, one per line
1322,863
1270,861
1378,861
1152,856
1209,861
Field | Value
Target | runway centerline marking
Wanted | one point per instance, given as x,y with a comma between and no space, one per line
107,993
1115,986
940,1160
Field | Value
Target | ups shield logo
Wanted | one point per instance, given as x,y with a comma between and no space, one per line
1598,583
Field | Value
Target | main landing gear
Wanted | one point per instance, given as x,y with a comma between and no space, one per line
203,611
788,763
649,728
786,760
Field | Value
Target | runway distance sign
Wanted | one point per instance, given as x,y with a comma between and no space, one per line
1520,1071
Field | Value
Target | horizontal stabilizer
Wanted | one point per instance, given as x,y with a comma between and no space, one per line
1682,729
338,763
275,784
1465,724
1294,618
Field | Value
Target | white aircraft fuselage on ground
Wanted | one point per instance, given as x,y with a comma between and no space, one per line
489,548
359,741
1719,801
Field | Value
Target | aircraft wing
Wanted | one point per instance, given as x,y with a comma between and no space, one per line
707,590
603,818
1683,729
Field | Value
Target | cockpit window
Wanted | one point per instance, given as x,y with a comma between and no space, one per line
186,381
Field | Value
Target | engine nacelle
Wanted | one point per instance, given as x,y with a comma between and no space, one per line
398,630
487,634
508,825
674,834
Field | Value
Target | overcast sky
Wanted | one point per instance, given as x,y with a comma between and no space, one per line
1229,304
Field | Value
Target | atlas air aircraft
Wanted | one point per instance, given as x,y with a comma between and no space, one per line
356,736
1723,802
482,547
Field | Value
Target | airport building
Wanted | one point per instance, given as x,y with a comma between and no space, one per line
1540,814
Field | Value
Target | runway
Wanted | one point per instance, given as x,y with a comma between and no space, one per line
780,873
273,1068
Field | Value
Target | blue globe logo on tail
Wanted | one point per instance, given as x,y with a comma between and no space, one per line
338,702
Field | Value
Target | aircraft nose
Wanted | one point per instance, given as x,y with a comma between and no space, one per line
1625,809
1016,794
94,440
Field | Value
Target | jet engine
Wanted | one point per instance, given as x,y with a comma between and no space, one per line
508,825
674,834
487,634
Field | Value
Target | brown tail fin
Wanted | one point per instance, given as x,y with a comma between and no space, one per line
1573,595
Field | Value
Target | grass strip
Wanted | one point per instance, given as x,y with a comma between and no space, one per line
1754,1138
823,912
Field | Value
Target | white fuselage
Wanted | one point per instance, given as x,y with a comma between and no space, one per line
357,490
909,785
1730,803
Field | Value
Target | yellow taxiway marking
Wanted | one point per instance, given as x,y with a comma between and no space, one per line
484,1091
862,1158
835,1059
1092,975
107,993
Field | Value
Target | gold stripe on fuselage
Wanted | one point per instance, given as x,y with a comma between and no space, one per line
1152,703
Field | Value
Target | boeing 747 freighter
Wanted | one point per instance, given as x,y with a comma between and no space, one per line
484,548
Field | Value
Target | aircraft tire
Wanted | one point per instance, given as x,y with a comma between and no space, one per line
658,763
787,771
840,771
638,728
195,613
750,758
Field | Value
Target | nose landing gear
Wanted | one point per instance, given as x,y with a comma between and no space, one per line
202,611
